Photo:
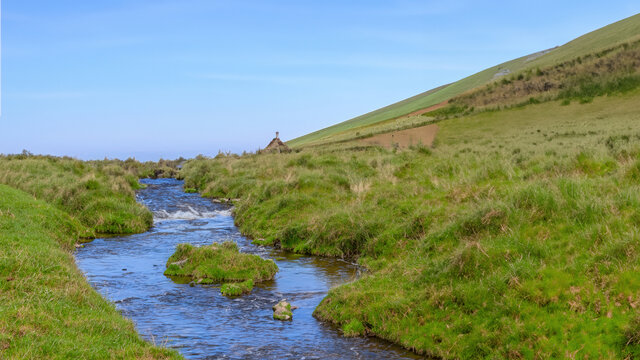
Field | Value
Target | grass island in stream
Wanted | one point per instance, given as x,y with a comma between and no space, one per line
220,263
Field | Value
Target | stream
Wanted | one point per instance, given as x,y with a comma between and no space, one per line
197,320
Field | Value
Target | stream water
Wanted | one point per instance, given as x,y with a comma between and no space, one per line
198,320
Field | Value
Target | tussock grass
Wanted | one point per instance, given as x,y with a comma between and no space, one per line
515,237
609,72
219,263
48,310
98,194
237,289
163,168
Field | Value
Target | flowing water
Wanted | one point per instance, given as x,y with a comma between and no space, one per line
198,320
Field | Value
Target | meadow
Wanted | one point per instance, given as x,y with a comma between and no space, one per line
514,237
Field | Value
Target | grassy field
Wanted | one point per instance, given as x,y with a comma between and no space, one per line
626,30
47,308
515,237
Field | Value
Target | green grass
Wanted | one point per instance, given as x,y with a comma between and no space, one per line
148,169
582,79
516,236
218,263
237,289
353,328
623,31
47,308
99,195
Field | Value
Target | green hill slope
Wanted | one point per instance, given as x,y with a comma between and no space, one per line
622,31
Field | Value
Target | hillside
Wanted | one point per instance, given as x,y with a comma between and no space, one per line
627,30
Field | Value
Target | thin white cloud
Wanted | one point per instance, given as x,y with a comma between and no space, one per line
48,95
420,39
397,63
277,79
421,62
411,8
372,61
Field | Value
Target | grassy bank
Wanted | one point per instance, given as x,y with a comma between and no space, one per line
100,195
515,237
149,169
48,310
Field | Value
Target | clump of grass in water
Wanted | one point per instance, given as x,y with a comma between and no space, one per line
237,289
220,263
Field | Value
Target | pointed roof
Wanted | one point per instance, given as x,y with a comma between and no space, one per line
276,145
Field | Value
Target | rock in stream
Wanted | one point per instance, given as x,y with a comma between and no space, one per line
282,311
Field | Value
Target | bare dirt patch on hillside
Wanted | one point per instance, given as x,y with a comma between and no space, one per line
423,135
426,110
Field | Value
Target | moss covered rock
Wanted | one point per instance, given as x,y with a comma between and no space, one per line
282,311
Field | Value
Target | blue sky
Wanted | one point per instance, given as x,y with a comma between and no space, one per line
164,78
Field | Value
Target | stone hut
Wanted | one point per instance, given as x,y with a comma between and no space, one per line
276,146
